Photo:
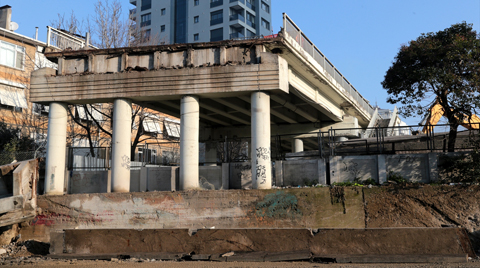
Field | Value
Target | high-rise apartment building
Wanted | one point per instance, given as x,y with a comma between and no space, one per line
189,21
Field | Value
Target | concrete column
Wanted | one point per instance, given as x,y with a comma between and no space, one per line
56,149
261,161
189,133
121,142
297,146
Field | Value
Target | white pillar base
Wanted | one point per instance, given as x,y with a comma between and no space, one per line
56,149
121,143
297,145
189,138
261,151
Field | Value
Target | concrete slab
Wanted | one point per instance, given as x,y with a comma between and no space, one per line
342,245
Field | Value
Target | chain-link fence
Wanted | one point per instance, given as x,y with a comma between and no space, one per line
11,157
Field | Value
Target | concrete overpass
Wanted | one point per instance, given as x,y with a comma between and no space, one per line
259,87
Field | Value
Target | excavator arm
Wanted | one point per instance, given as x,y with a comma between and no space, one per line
436,112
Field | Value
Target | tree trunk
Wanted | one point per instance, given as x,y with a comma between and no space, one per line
452,137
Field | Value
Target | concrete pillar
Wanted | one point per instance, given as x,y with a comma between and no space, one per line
56,149
121,142
189,133
261,161
297,146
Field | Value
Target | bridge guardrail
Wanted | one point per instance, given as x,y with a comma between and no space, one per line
290,28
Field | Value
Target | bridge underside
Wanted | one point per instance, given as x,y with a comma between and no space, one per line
255,89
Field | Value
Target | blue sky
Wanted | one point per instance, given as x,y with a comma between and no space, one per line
361,38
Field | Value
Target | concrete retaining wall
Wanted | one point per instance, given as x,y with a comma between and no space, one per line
290,208
326,243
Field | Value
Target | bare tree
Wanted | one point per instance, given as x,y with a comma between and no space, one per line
108,28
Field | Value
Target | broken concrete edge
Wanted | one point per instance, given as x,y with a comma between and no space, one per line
302,255
272,257
166,48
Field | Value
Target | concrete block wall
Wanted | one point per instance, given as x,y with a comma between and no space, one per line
349,168
149,179
300,172
240,175
413,167
84,181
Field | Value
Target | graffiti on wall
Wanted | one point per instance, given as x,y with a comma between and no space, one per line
278,205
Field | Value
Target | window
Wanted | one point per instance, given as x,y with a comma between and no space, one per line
250,20
40,109
162,28
13,98
163,11
12,55
216,17
215,3
216,35
196,37
146,4
147,155
196,2
265,24
146,35
265,7
146,20
236,15
251,4
196,19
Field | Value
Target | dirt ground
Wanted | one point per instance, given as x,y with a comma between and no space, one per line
425,206
161,264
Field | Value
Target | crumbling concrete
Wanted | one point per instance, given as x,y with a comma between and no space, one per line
20,203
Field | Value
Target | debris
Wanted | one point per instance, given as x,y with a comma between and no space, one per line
228,254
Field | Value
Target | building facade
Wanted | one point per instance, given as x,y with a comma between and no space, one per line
189,21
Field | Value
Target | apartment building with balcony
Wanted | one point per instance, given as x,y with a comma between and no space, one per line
189,21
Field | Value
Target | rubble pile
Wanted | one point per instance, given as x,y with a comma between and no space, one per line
23,252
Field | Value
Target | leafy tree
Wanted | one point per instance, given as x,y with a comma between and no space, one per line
11,142
442,66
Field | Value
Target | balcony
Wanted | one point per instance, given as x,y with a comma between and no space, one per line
145,23
236,35
241,1
133,2
216,21
250,5
237,17
216,3
251,24
132,14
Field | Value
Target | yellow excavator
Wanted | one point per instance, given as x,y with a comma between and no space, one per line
436,112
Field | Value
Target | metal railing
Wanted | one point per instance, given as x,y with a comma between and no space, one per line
292,30
237,17
63,40
236,35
